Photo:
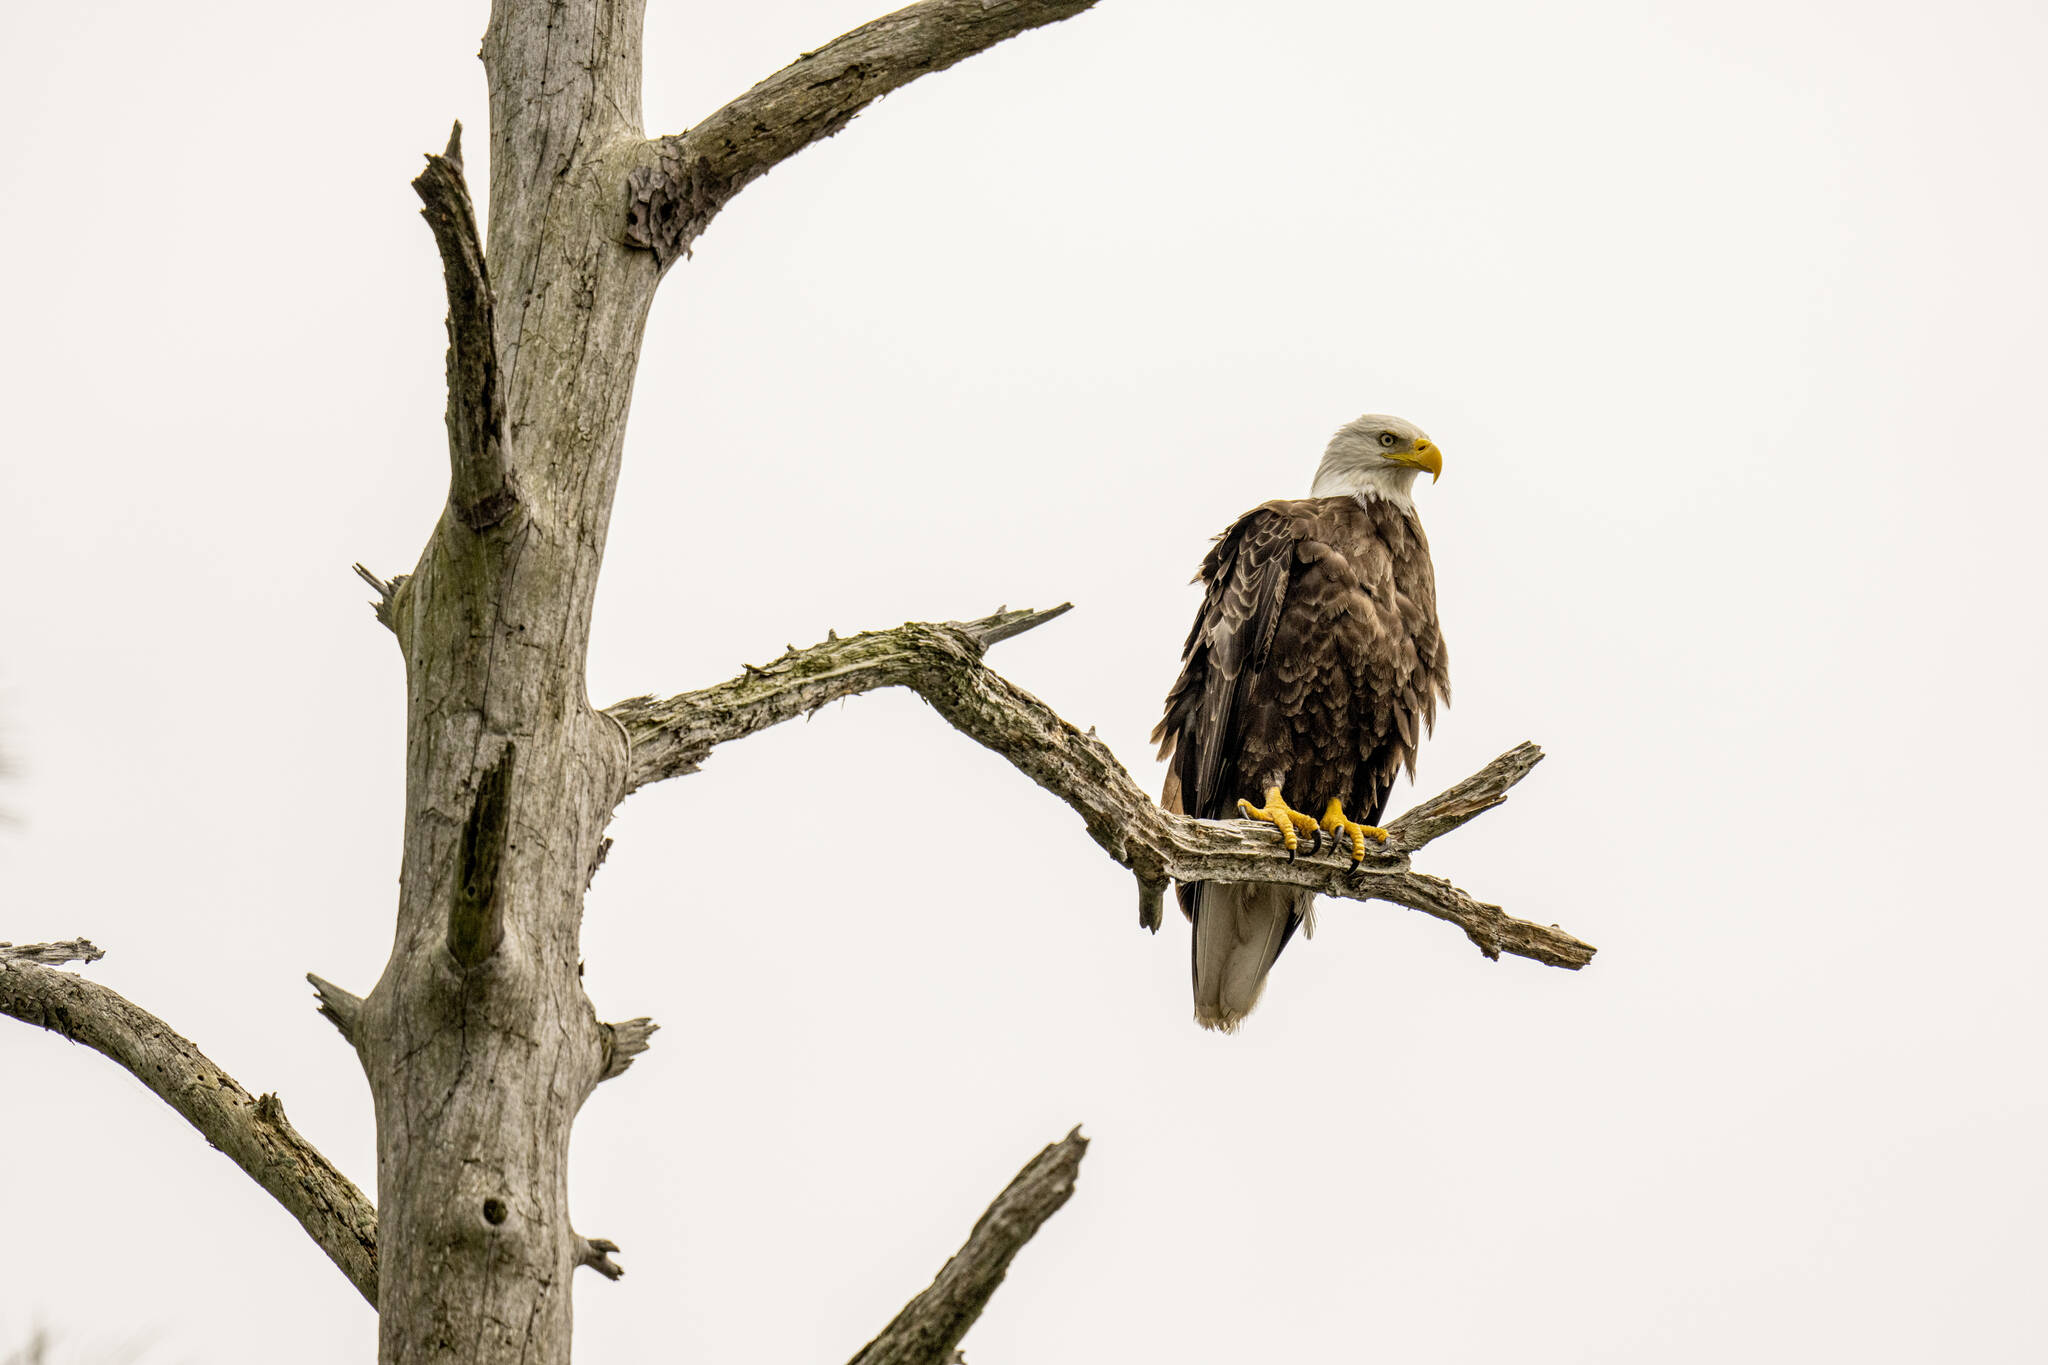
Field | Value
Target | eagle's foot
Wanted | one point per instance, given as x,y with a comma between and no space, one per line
1290,822
1335,822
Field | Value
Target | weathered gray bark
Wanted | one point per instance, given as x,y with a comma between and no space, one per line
250,1130
478,1040
254,1134
931,1325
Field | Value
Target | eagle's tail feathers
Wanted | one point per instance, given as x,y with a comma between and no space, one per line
1240,929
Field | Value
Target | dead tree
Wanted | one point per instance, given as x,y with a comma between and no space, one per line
478,1041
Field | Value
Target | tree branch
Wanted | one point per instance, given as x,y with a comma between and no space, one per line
341,1008
671,737
52,954
386,606
942,663
252,1131
698,172
596,1252
931,1325
480,488
622,1043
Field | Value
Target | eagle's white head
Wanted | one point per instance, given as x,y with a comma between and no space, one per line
1376,456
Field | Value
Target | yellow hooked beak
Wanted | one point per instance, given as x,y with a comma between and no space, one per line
1426,456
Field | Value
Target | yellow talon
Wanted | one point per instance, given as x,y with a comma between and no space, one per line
1334,820
1284,818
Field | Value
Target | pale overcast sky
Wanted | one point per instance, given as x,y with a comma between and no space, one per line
1729,320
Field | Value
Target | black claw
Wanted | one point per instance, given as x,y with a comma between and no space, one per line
1317,847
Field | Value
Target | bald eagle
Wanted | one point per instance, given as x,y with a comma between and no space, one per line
1314,668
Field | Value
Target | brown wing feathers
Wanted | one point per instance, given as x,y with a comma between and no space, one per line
1246,576
1315,661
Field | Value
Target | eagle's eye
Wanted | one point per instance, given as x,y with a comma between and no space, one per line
1387,438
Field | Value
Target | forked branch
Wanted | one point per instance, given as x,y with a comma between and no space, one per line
931,1325
942,663
695,174
251,1130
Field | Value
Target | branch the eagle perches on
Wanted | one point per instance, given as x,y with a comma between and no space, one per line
942,662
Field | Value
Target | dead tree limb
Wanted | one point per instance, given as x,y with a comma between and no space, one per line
251,1130
622,1043
694,174
480,488
931,1325
671,736
942,662
596,1252
385,607
51,954
341,1008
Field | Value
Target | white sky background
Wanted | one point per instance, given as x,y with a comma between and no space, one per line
1729,320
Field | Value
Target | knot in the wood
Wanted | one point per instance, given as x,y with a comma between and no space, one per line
489,510
670,203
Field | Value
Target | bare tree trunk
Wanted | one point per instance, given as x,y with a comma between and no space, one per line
478,1040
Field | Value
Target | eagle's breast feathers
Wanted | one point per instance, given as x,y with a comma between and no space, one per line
1315,662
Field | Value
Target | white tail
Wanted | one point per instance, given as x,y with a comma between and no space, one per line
1240,928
